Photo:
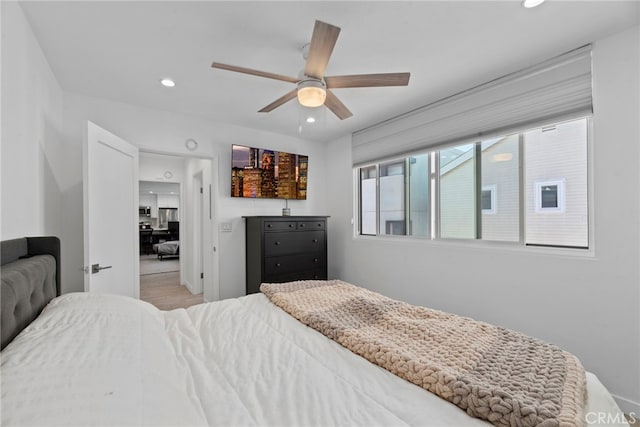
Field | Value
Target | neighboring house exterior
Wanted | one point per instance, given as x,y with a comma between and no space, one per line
558,156
554,173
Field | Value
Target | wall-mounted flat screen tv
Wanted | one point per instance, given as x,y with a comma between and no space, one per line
268,174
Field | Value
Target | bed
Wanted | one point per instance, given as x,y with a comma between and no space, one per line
91,359
167,249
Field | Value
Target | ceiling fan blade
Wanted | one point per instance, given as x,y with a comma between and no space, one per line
254,72
368,80
278,102
336,106
322,42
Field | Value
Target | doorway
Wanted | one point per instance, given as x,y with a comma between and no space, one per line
172,202
159,232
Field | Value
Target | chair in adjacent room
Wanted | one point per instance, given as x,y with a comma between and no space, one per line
174,230
146,241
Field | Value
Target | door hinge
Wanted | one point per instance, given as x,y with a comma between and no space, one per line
201,190
202,275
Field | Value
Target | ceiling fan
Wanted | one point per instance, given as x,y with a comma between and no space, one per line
313,89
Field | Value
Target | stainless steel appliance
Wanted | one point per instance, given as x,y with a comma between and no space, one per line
165,215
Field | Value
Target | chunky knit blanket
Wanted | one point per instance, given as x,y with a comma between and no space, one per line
493,373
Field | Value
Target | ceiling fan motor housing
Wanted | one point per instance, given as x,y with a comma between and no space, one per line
311,84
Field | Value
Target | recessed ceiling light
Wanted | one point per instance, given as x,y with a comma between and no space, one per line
167,83
532,3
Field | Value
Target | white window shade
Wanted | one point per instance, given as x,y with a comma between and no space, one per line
554,90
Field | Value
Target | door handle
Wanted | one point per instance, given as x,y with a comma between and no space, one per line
95,268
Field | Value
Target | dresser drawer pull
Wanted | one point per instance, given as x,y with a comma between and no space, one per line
315,276
302,225
320,224
315,240
277,242
290,225
277,264
269,225
315,260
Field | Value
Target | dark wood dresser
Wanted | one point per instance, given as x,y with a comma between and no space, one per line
285,248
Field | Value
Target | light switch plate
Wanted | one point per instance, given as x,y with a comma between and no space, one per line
225,226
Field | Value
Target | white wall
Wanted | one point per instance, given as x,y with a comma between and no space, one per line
42,135
153,167
33,175
159,131
588,305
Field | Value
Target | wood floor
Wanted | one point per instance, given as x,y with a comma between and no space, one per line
165,291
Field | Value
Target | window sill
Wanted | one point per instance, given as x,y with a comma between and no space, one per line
480,245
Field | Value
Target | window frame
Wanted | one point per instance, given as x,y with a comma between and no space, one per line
358,174
560,194
434,237
492,188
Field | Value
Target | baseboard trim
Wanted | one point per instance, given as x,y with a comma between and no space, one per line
188,286
628,406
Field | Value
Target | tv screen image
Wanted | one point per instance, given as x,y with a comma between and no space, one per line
268,174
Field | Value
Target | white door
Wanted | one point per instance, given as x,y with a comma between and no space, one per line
198,270
111,232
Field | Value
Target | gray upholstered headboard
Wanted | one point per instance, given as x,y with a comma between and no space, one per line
30,279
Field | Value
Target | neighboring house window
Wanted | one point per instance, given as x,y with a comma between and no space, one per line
459,201
488,199
549,196
395,227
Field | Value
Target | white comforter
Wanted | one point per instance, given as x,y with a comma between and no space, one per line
109,360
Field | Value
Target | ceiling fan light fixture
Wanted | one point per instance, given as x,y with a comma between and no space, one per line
311,93
532,3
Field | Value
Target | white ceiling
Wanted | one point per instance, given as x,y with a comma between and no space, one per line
120,50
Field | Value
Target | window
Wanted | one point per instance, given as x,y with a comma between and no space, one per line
549,196
457,192
488,199
555,174
368,200
528,188
500,175
395,227
392,197
418,196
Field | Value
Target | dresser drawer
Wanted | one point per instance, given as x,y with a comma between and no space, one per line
299,275
279,265
292,243
311,225
279,225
